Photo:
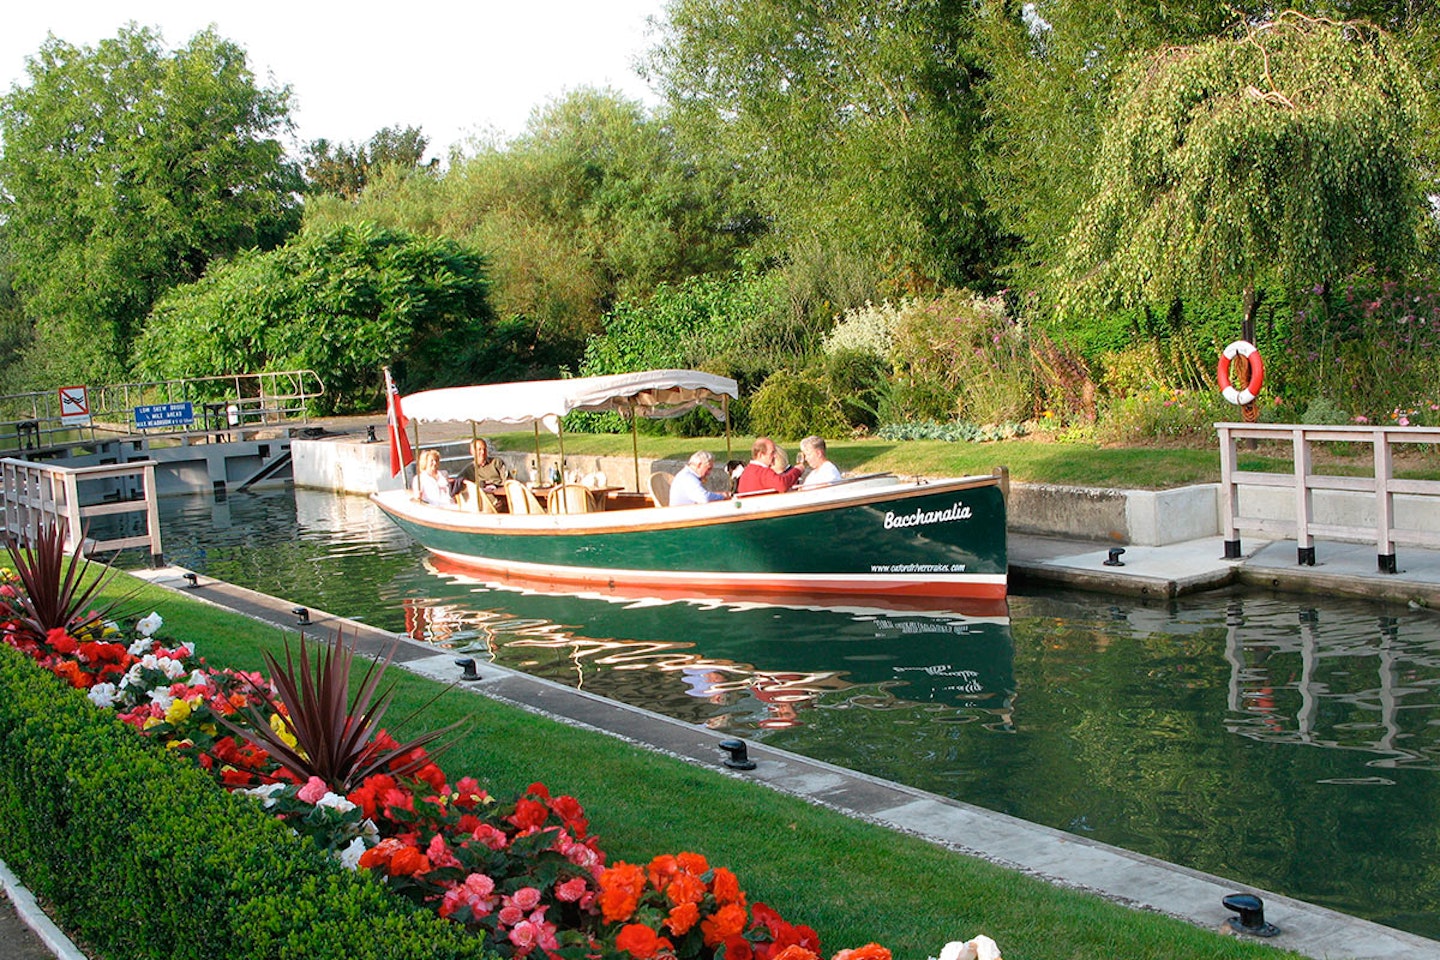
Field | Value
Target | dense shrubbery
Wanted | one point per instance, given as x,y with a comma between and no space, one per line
187,870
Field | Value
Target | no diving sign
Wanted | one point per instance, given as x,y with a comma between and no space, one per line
74,406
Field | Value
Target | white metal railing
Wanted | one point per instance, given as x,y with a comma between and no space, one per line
34,493
219,404
1303,481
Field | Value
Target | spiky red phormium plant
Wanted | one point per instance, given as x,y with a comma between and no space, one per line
334,737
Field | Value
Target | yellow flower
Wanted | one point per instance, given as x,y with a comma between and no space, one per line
282,729
175,744
209,729
177,712
151,722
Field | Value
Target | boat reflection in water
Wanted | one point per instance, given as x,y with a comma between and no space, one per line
743,665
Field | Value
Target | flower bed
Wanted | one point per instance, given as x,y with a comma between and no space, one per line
525,873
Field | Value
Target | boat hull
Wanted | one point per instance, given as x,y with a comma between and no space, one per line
943,539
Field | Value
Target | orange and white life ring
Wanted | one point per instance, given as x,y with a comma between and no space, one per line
1247,350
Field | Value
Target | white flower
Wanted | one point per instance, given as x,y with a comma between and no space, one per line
102,694
980,948
336,801
350,856
148,626
161,697
265,792
141,647
173,669
199,678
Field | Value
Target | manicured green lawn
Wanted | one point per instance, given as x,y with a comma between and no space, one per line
853,881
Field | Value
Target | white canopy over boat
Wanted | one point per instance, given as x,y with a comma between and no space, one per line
650,393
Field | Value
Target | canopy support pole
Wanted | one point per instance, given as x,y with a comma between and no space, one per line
635,444
725,409
474,435
560,438
536,478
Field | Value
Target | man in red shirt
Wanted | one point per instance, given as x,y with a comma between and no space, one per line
760,473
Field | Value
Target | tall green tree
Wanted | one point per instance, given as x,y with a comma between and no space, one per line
125,170
1050,72
593,203
343,169
1284,156
854,121
342,302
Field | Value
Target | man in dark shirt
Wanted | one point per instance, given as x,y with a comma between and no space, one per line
483,470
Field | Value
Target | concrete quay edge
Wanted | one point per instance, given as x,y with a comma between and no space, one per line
1133,879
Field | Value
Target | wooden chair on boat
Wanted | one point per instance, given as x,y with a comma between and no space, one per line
660,488
573,498
521,499
475,500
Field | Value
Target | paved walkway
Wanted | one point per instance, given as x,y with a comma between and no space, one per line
1341,569
1130,878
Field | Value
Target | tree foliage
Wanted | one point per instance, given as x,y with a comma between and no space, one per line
592,204
1050,70
341,302
854,122
1283,156
125,170
343,169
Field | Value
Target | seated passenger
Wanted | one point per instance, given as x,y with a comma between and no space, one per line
760,474
486,472
822,471
689,484
431,484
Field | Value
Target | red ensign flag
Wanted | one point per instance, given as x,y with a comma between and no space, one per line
400,453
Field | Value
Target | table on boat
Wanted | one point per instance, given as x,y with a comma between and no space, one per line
542,493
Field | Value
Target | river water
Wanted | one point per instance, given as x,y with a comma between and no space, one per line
1290,743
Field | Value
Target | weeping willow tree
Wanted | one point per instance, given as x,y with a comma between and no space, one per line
1284,156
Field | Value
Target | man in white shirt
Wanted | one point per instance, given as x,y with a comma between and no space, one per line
689,484
822,471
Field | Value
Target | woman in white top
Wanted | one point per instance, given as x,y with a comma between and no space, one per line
822,471
431,484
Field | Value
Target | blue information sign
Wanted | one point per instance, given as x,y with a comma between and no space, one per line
165,415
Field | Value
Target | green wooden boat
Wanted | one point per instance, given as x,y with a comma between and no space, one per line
867,536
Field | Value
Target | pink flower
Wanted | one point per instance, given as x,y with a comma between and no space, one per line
526,898
313,790
1404,421
490,836
1362,419
474,893
571,890
511,915
439,853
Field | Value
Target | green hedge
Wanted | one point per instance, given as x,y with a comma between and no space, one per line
144,855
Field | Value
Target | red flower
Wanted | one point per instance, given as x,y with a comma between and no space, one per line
738,948
726,887
621,887
693,863
61,642
871,951
686,888
725,923
529,814
796,952
409,862
640,941
682,918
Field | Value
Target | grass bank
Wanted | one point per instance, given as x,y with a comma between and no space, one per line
853,881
